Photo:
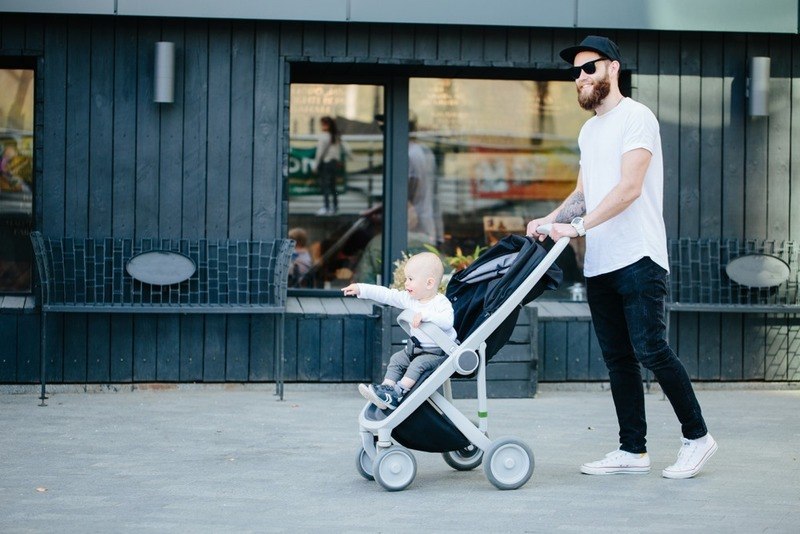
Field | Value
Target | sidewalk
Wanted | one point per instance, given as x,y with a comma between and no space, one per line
216,460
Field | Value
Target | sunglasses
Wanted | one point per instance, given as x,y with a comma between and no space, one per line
589,68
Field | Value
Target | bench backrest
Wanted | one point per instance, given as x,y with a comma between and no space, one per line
698,276
91,272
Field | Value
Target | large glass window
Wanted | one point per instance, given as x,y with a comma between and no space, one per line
335,183
16,179
485,156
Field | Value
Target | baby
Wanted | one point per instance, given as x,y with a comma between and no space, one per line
423,275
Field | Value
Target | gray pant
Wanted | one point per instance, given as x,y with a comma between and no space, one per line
327,183
400,364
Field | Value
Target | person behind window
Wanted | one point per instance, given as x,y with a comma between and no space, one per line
421,168
301,257
421,176
327,162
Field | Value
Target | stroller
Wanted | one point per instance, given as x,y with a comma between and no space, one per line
487,298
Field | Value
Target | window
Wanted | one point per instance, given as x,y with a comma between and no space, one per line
487,156
16,179
335,188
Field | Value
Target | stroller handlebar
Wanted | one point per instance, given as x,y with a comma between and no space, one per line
545,230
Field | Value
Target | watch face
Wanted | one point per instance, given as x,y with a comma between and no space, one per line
577,223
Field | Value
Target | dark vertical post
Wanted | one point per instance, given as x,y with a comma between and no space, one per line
533,340
395,216
279,330
42,358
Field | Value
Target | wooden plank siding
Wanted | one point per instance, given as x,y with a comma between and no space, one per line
110,162
331,340
567,345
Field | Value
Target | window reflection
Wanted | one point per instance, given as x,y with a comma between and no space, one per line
496,153
16,179
335,183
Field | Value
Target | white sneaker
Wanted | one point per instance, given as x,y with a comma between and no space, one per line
619,463
322,211
692,456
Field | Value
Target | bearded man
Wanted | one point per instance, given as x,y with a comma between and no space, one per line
617,206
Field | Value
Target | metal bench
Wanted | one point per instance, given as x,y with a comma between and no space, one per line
161,276
732,276
729,275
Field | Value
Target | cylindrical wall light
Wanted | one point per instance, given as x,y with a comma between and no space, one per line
758,87
164,81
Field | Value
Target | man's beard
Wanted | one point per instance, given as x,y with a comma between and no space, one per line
599,92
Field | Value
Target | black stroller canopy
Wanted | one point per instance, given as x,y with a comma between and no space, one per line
477,291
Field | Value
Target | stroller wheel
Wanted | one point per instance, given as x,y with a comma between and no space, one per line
364,464
509,463
464,459
394,468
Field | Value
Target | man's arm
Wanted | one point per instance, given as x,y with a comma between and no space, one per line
629,188
414,187
573,206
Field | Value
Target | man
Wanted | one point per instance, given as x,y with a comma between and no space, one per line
617,205
420,188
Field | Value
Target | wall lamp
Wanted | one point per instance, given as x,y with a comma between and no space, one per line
758,87
164,79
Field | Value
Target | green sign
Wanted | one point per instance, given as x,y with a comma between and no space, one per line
302,179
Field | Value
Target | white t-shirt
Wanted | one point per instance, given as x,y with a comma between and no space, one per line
438,310
327,150
639,230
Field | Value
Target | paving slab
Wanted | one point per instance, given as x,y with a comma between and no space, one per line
233,459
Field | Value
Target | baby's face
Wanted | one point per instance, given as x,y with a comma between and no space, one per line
417,279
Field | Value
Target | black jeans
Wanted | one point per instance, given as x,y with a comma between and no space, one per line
327,183
627,308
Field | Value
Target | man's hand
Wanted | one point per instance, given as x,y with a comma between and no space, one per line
351,290
417,320
559,230
533,226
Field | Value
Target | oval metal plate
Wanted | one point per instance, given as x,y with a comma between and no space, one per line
161,267
758,270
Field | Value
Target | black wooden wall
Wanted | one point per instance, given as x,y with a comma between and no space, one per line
111,162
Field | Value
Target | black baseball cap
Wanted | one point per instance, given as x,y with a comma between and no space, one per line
594,43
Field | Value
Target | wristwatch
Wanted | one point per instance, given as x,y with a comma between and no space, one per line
577,223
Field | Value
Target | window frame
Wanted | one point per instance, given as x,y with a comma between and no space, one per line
34,62
395,82
395,176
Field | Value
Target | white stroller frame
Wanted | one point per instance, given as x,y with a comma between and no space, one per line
508,461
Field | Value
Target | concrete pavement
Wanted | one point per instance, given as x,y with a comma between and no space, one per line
234,459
